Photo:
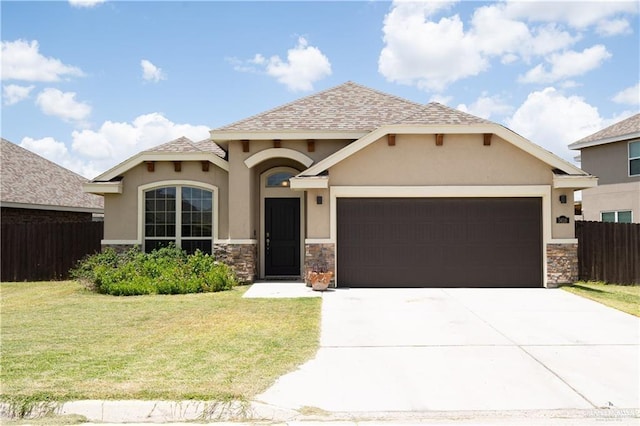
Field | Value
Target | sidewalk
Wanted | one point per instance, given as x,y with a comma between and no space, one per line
239,414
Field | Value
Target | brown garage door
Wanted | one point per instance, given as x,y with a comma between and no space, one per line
439,242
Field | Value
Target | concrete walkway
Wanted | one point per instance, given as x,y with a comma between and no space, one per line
420,350
434,356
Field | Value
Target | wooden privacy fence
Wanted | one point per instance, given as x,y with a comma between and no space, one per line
609,252
46,251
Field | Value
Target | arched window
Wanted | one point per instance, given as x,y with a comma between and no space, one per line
279,180
179,214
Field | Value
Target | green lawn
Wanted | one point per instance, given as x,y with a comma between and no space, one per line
61,342
625,298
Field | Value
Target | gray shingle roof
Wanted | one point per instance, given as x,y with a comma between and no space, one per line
184,144
27,178
618,130
349,107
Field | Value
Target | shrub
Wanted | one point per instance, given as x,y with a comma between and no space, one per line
168,270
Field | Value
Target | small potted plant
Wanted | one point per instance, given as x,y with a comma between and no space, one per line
318,277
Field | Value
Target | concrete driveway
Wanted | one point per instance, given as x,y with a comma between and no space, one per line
396,350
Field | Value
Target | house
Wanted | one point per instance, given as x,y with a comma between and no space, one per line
35,190
612,154
380,190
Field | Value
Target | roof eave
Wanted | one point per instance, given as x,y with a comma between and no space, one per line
101,188
161,156
51,207
309,182
574,182
548,157
222,136
620,138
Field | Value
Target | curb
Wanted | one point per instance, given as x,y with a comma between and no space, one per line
136,411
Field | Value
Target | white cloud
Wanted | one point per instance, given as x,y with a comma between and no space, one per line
304,66
548,38
21,60
63,105
487,106
92,152
567,64
12,93
578,14
614,27
114,142
150,72
430,51
553,120
48,148
430,55
85,3
629,96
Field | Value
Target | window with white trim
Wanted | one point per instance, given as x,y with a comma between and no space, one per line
621,216
634,158
179,214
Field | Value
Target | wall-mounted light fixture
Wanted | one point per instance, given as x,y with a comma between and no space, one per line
563,199
319,199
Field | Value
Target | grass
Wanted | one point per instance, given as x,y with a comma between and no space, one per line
625,298
61,342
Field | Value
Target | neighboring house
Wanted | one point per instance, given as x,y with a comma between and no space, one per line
613,155
35,190
382,191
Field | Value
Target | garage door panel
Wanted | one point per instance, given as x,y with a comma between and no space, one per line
464,242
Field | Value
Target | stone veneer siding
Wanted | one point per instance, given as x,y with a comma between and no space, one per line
119,248
562,264
320,258
241,257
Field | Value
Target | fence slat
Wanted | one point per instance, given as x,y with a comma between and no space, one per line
608,252
46,251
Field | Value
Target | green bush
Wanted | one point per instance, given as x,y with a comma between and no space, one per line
168,270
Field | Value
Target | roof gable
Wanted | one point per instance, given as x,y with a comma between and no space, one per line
184,144
622,130
31,180
181,149
529,147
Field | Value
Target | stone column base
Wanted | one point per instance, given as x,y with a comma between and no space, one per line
320,257
562,264
241,257
119,248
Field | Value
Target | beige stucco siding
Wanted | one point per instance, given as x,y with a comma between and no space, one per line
607,198
562,230
609,162
245,183
318,225
121,210
461,160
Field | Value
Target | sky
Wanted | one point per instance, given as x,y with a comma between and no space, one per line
89,83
